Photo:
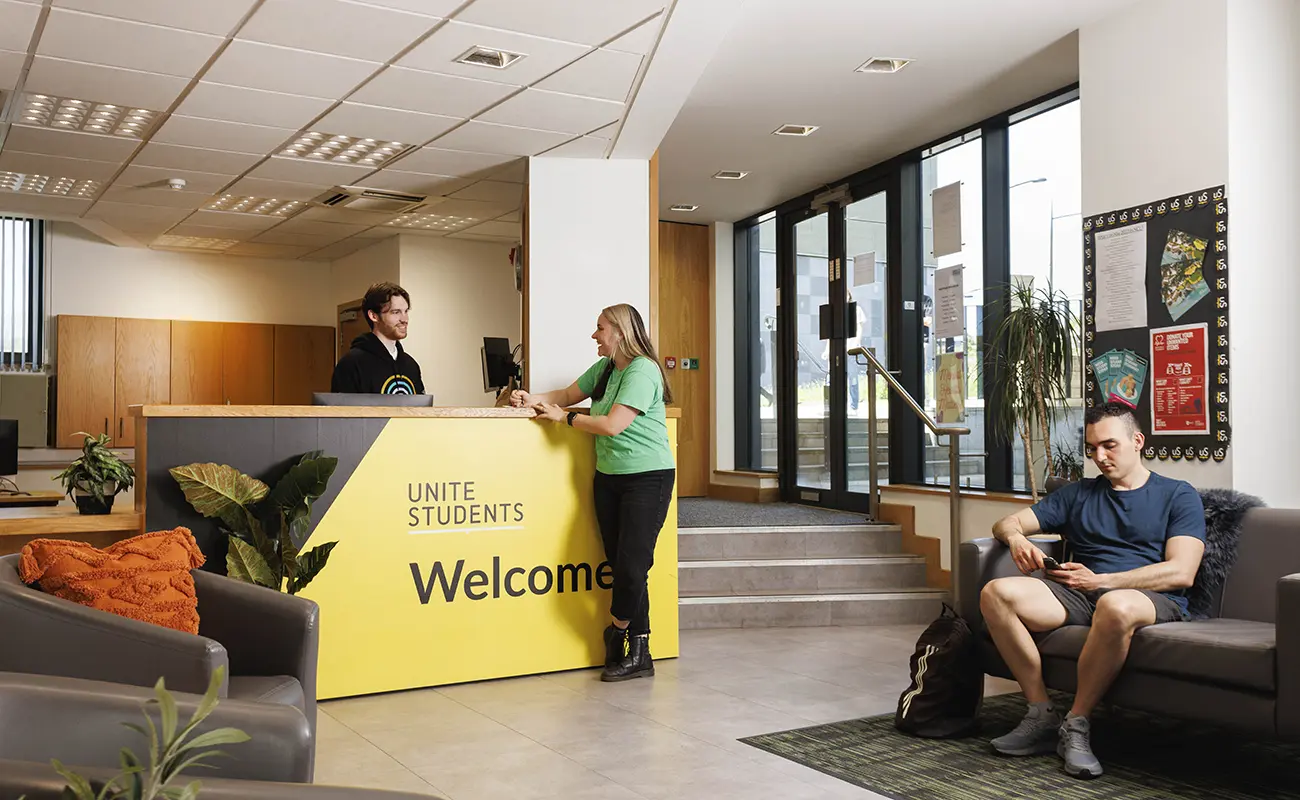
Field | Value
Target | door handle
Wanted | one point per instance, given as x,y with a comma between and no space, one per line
121,427
105,426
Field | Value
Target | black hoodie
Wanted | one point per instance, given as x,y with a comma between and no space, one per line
368,369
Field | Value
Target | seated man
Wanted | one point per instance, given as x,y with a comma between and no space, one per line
1133,543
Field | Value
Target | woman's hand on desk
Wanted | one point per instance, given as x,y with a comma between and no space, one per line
521,399
549,411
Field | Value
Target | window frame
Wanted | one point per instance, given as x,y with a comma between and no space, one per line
31,358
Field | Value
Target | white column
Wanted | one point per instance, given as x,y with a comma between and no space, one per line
588,248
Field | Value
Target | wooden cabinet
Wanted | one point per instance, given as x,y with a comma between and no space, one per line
304,363
86,389
143,371
248,364
196,363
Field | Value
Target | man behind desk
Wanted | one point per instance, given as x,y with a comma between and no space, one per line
377,364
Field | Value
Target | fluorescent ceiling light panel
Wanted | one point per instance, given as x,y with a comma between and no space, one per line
44,184
432,222
884,66
339,149
480,56
683,207
794,130
63,113
729,175
263,206
195,242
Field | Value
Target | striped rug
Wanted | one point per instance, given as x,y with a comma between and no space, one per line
1145,758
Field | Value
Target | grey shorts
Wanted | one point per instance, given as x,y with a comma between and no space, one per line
1080,606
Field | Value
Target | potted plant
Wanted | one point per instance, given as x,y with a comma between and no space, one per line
95,477
1035,346
266,528
1067,466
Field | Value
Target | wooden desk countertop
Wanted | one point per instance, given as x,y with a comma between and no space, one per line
65,519
333,412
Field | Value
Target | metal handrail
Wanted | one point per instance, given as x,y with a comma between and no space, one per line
954,434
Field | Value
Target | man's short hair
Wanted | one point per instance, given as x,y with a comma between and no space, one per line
378,296
1113,410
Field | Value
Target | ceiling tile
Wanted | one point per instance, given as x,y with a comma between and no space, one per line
515,172
226,219
198,132
552,111
513,216
416,90
451,41
584,21
493,192
484,137
283,69
605,74
102,84
414,182
441,161
156,178
41,205
640,40
496,228
11,64
17,22
56,167
325,230
476,237
210,16
343,215
179,157
267,250
473,209
130,216
279,190
211,232
277,236
253,106
336,26
606,132
338,250
71,144
376,233
302,170
582,147
408,127
436,8
169,198
131,45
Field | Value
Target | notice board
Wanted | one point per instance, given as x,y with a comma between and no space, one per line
1156,320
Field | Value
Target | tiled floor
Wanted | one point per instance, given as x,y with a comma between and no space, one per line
567,735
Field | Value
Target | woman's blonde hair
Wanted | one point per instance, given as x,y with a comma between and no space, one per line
633,340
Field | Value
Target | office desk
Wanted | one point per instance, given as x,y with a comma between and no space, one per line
18,526
467,544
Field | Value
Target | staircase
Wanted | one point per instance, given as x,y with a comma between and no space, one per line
800,575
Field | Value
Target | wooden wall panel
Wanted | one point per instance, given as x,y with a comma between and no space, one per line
86,349
196,363
684,302
304,362
144,352
247,363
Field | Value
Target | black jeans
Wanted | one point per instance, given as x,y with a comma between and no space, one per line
631,510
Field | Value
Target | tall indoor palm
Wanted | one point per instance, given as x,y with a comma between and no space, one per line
1035,347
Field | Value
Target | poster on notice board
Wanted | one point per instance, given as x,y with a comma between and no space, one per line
1180,393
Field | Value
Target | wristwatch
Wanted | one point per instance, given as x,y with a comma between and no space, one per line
572,414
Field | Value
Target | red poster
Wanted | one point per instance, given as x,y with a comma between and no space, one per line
1180,387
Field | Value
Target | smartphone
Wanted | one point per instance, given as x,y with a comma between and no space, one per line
1050,563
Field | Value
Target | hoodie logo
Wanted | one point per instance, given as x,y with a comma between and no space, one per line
398,384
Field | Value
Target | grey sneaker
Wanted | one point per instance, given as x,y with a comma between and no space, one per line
1035,735
1076,748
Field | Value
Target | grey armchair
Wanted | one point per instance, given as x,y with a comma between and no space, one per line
267,640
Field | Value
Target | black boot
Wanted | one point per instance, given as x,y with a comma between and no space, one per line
615,645
636,664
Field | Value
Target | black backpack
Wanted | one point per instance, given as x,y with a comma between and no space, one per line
943,699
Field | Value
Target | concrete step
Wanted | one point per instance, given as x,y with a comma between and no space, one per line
785,542
893,607
797,576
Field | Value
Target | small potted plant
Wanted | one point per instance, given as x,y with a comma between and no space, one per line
96,476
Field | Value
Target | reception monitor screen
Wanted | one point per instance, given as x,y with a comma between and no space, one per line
498,363
8,447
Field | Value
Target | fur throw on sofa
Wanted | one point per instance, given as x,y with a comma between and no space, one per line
1224,511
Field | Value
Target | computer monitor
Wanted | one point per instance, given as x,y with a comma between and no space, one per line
8,447
390,400
498,363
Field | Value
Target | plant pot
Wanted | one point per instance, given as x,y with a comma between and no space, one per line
87,503
1055,482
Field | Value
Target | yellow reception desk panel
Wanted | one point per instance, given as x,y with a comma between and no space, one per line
467,542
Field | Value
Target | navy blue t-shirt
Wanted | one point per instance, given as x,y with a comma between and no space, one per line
1109,531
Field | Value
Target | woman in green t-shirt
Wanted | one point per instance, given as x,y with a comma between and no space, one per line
634,471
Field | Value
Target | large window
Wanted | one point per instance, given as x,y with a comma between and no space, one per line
21,291
757,336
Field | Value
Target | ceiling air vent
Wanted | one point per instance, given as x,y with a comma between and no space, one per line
794,130
356,198
886,66
683,207
481,56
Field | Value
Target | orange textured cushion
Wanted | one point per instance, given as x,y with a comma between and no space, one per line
146,577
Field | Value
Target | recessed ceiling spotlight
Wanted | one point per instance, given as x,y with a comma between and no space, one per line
432,222
106,119
480,56
683,207
884,66
195,242
794,130
262,206
44,184
729,175
340,149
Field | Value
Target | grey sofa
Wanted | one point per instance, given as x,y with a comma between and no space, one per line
268,641
1240,668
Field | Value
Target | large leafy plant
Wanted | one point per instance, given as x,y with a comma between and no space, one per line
267,528
169,753
96,466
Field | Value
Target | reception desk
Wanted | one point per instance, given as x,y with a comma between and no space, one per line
467,544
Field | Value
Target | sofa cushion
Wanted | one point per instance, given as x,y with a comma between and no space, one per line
1233,652
283,690
145,578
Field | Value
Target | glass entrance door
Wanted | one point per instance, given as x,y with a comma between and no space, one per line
866,282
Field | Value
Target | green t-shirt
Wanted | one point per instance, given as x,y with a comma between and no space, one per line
643,445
